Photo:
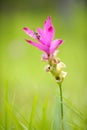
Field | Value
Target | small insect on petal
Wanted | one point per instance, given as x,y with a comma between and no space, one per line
37,35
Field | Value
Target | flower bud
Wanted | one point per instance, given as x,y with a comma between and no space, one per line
63,74
47,68
60,66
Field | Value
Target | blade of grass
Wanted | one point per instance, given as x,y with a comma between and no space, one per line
44,114
17,111
21,116
75,126
17,122
6,99
33,112
2,127
56,114
73,108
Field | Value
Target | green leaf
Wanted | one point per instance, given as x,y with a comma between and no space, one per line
17,122
2,127
73,108
44,114
74,126
33,112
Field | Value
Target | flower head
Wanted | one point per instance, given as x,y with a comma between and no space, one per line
44,38
49,46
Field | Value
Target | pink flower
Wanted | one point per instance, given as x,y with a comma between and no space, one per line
44,38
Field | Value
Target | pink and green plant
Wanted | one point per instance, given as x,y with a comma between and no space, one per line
45,43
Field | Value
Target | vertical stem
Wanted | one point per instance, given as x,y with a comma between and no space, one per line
6,101
61,106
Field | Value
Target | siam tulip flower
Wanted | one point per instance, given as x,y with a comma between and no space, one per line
49,46
45,43
44,38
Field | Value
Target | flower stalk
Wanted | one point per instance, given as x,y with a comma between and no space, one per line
45,42
61,106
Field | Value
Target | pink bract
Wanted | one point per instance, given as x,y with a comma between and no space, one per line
44,38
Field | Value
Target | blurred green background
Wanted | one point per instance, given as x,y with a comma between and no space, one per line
21,68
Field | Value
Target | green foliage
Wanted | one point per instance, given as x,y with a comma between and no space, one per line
15,120
29,98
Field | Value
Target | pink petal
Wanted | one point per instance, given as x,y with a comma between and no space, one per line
44,57
39,46
46,34
40,31
47,23
48,31
55,44
29,32
49,34
42,39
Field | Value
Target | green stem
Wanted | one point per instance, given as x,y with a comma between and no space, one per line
6,101
61,106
